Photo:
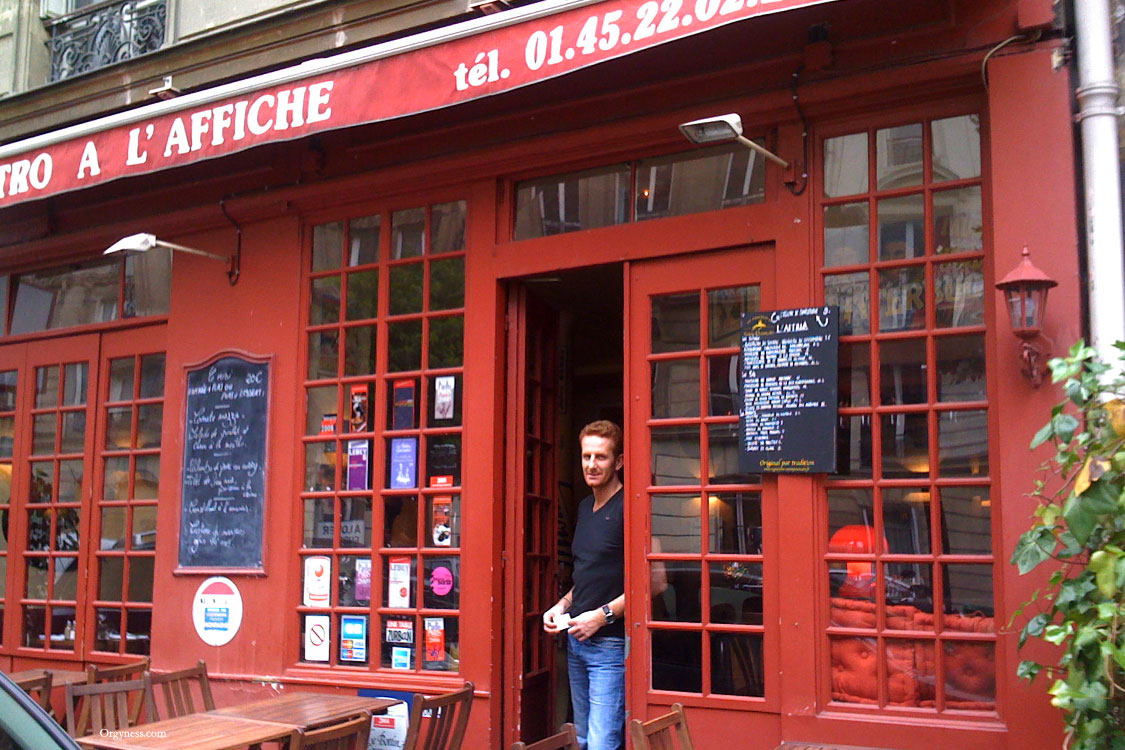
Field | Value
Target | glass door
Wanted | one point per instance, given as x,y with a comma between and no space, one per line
702,588
532,516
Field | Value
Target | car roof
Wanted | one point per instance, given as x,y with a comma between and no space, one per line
36,712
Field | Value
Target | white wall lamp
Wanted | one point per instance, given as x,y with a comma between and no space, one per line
142,242
728,128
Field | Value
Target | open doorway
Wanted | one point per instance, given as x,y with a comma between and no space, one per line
565,369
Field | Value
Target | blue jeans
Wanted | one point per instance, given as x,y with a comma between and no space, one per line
597,690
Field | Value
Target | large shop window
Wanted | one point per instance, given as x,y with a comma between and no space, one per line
908,544
80,441
381,573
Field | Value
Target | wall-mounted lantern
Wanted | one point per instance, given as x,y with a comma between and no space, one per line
1025,291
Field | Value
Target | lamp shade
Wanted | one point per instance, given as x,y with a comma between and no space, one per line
1025,292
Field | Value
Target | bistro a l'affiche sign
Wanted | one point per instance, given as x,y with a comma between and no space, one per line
427,71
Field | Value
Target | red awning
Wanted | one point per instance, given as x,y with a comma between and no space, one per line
426,71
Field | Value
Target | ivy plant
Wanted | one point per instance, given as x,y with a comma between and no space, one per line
1079,531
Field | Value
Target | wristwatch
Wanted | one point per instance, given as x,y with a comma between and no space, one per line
608,612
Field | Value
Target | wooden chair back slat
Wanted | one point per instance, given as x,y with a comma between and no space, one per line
134,670
108,705
444,728
176,689
662,732
38,688
565,739
351,734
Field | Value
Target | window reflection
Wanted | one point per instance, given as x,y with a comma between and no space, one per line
572,202
699,180
675,455
963,443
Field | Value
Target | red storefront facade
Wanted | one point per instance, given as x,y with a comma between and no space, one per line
487,275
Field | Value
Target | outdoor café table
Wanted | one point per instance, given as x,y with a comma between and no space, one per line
202,731
305,710
58,676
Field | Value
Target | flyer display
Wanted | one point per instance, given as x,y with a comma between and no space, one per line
787,419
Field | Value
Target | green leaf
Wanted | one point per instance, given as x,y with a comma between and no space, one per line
1080,520
1102,566
1045,433
1028,670
1056,634
1035,546
1034,628
1065,426
1101,497
1073,591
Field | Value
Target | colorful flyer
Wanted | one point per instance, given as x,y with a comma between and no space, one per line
441,529
398,631
398,582
404,463
328,424
363,579
353,638
434,639
400,657
318,581
443,461
444,388
357,420
317,637
402,406
359,462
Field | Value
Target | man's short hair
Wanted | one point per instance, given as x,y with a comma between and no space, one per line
603,428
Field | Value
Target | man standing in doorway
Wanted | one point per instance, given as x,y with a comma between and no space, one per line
591,611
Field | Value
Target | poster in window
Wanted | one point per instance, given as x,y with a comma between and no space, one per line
443,460
358,419
317,632
404,463
434,643
363,579
402,404
353,638
359,465
318,581
442,529
398,583
444,391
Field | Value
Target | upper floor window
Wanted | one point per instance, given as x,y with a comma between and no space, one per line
97,291
90,34
674,185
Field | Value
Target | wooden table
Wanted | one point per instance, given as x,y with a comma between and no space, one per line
204,731
238,726
306,710
58,676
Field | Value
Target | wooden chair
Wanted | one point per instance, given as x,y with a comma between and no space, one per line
134,670
107,705
350,734
38,688
566,739
445,725
660,733
176,689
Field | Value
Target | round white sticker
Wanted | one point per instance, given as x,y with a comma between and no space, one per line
217,610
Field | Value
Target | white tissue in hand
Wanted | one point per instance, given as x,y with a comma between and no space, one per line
562,620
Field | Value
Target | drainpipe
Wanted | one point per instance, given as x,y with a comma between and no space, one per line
1097,114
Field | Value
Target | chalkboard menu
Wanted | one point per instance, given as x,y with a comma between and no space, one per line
788,414
224,470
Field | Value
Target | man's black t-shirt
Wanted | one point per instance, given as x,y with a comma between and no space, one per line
599,558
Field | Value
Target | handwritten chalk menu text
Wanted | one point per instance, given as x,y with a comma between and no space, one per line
224,471
787,420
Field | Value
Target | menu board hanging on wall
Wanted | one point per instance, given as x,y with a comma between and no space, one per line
787,419
224,471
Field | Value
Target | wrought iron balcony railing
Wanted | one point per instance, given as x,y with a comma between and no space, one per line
105,33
